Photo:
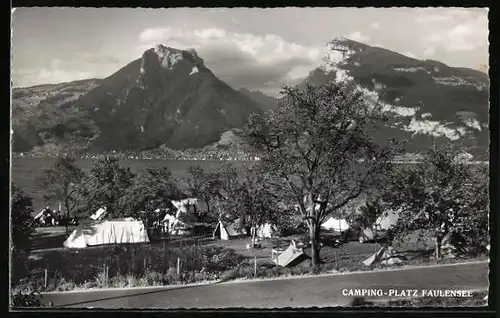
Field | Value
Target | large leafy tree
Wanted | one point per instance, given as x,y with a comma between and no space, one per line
106,185
61,183
203,185
228,182
151,189
317,145
253,201
22,225
442,194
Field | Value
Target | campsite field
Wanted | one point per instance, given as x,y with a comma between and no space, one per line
200,259
156,264
49,237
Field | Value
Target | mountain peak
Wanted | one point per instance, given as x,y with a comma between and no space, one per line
168,56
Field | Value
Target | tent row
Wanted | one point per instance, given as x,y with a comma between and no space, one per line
97,230
382,224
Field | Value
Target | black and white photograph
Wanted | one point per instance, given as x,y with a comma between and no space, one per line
252,158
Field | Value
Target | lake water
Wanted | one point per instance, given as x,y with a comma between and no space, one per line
26,170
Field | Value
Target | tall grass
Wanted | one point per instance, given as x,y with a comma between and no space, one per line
123,265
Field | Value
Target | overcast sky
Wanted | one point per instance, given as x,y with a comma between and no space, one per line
251,48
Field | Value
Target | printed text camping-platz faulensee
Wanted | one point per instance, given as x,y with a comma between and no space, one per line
368,292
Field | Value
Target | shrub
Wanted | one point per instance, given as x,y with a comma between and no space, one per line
203,276
22,225
30,299
119,281
220,259
171,277
153,278
63,285
230,274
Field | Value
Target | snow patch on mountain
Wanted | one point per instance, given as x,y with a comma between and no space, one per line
142,70
464,156
373,97
194,70
434,128
401,111
168,57
426,115
411,69
336,55
458,81
473,123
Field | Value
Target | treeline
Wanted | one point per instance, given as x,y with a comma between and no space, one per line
317,159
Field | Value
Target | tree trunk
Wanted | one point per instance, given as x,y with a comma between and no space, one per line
254,234
67,213
439,241
315,245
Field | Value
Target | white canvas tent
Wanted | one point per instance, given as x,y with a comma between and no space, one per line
367,235
385,255
190,206
99,214
386,221
266,231
174,226
228,231
46,216
338,225
42,213
289,256
122,231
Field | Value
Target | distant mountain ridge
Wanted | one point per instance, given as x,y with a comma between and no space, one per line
266,102
40,120
169,98
429,101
